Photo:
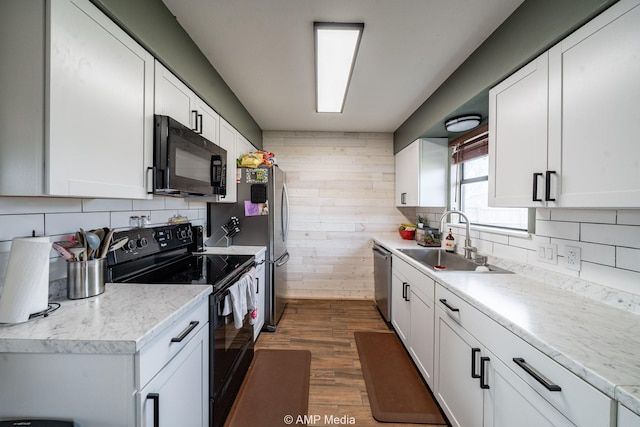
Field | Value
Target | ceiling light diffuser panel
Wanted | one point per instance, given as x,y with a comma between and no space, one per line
336,49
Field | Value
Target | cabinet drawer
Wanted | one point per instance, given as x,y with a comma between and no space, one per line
577,400
154,356
419,281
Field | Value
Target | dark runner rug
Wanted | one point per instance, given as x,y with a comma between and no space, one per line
397,393
275,391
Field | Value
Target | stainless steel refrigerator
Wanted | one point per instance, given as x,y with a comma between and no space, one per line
262,209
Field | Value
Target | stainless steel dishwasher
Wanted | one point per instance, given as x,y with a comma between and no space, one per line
382,280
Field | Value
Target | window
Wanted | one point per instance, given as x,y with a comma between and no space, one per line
470,186
473,183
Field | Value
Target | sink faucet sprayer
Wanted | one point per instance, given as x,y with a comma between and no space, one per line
468,249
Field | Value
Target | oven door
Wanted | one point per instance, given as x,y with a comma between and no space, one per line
230,344
185,162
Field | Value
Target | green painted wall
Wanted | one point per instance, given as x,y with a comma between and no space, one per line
530,30
153,25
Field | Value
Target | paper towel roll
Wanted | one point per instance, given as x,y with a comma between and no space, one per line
26,284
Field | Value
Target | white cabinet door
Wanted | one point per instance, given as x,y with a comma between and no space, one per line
173,98
179,394
228,140
421,348
400,307
421,173
100,106
458,393
509,401
518,137
594,93
626,418
260,295
208,123
408,175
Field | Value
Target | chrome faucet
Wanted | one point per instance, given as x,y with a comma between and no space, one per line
468,249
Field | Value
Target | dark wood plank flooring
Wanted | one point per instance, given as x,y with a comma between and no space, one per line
326,327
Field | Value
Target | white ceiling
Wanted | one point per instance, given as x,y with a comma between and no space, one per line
263,49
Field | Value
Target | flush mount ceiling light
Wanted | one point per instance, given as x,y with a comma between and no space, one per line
336,47
462,123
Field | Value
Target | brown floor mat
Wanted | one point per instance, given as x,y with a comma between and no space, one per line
276,387
397,393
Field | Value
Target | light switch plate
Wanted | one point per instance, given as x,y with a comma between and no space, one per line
548,253
573,257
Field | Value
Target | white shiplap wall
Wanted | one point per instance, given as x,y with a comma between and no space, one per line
341,188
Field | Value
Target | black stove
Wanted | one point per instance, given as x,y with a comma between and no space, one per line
171,254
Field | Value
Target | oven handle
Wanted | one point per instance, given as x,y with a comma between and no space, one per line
282,260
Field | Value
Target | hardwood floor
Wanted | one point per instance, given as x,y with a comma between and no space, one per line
326,327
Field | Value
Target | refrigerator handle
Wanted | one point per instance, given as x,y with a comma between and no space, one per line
282,260
285,208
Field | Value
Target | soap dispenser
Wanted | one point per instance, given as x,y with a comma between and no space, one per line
450,242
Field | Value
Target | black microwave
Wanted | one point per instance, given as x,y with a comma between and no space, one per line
185,163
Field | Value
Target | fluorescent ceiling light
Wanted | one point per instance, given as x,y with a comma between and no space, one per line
336,49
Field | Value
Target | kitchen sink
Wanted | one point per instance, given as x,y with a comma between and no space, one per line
449,262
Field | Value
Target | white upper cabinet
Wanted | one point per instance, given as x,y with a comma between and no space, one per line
518,136
568,140
173,98
593,110
421,173
229,138
90,107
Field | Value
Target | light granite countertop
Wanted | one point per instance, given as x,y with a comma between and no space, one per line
121,320
596,341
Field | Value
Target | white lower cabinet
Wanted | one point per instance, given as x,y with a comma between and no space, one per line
487,376
260,293
166,383
626,418
412,314
509,401
455,387
177,395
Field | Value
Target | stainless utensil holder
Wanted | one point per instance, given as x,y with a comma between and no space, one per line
85,278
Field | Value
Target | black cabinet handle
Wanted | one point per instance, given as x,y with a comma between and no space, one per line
257,285
483,373
536,375
449,306
186,332
547,184
194,113
199,127
535,186
474,351
403,198
156,408
405,291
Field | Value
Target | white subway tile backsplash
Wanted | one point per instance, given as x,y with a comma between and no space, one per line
629,216
590,252
619,235
558,229
101,205
510,252
157,203
611,277
601,216
69,223
26,205
628,259
21,225
175,203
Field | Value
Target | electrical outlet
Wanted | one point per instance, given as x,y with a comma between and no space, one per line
548,253
573,257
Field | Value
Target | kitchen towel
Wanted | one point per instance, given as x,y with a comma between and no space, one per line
26,284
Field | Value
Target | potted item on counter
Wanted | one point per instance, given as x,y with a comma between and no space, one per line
407,231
